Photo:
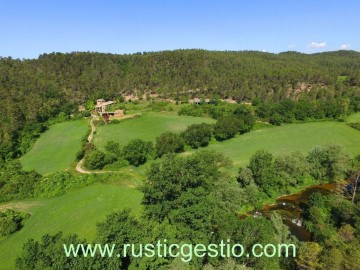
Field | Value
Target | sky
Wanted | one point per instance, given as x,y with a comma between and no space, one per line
29,28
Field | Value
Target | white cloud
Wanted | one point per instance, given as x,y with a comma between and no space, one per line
317,45
345,47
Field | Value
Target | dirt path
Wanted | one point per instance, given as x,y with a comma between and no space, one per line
91,135
79,167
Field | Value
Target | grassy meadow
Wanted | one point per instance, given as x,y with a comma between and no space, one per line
75,212
288,138
275,139
147,127
55,150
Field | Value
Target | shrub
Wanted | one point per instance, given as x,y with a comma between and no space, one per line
80,154
11,221
354,125
226,128
169,142
276,120
58,183
85,149
330,162
192,110
118,164
261,166
159,106
113,147
114,121
138,151
197,135
246,118
95,160
292,168
16,183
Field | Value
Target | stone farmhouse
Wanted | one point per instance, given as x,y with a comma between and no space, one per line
102,105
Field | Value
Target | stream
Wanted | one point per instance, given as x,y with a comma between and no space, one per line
290,207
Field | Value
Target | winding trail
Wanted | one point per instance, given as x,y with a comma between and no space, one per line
79,167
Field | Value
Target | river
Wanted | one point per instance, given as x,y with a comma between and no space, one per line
291,207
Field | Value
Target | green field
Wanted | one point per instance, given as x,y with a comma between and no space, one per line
75,212
55,150
147,127
354,118
288,138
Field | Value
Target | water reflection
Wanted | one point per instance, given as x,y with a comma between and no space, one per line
291,207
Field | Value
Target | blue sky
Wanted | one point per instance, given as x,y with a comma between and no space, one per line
29,28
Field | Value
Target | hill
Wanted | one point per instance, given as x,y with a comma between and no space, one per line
38,90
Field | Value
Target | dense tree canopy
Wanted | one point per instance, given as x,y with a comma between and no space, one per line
267,175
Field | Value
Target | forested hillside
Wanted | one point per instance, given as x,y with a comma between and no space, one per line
34,91
242,75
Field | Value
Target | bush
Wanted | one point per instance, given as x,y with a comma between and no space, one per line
261,166
85,149
110,158
192,110
256,101
197,135
276,120
82,114
118,164
113,147
137,151
47,254
57,184
226,128
330,162
16,183
169,142
95,160
80,154
292,168
114,121
11,221
354,125
159,106
246,118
